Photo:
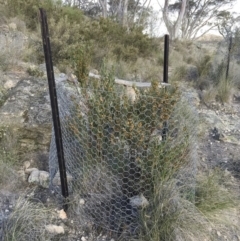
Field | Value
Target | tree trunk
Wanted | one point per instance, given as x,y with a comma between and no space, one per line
103,4
173,27
125,13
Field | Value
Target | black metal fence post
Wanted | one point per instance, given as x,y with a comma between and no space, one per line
166,54
54,105
229,56
165,79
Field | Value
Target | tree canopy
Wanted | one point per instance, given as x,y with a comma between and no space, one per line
189,19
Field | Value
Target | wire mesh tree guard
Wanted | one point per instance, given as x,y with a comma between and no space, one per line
115,154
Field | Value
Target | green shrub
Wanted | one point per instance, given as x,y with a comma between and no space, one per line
80,64
70,30
179,73
34,71
4,61
29,10
204,65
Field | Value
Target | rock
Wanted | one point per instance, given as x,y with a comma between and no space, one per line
30,126
130,93
215,134
72,78
54,229
26,164
12,26
94,71
57,181
83,239
81,201
44,179
40,178
34,177
9,84
27,113
236,96
62,214
139,201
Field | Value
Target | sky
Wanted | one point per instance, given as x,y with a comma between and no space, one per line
160,28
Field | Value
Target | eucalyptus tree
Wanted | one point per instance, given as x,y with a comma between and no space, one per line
190,19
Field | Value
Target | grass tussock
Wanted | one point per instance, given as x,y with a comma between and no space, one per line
173,218
27,222
8,160
209,95
176,218
224,90
213,193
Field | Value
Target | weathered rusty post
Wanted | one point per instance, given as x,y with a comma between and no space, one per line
54,105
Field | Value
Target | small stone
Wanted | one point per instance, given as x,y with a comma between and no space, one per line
44,179
13,26
83,239
9,84
54,229
94,71
39,178
26,164
81,201
6,211
72,78
34,177
139,201
62,214
219,234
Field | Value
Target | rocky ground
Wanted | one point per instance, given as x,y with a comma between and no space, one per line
219,146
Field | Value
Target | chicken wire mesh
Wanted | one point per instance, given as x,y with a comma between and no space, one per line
118,149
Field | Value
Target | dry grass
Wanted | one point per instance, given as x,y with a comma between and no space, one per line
8,160
214,193
209,95
224,90
13,51
27,222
